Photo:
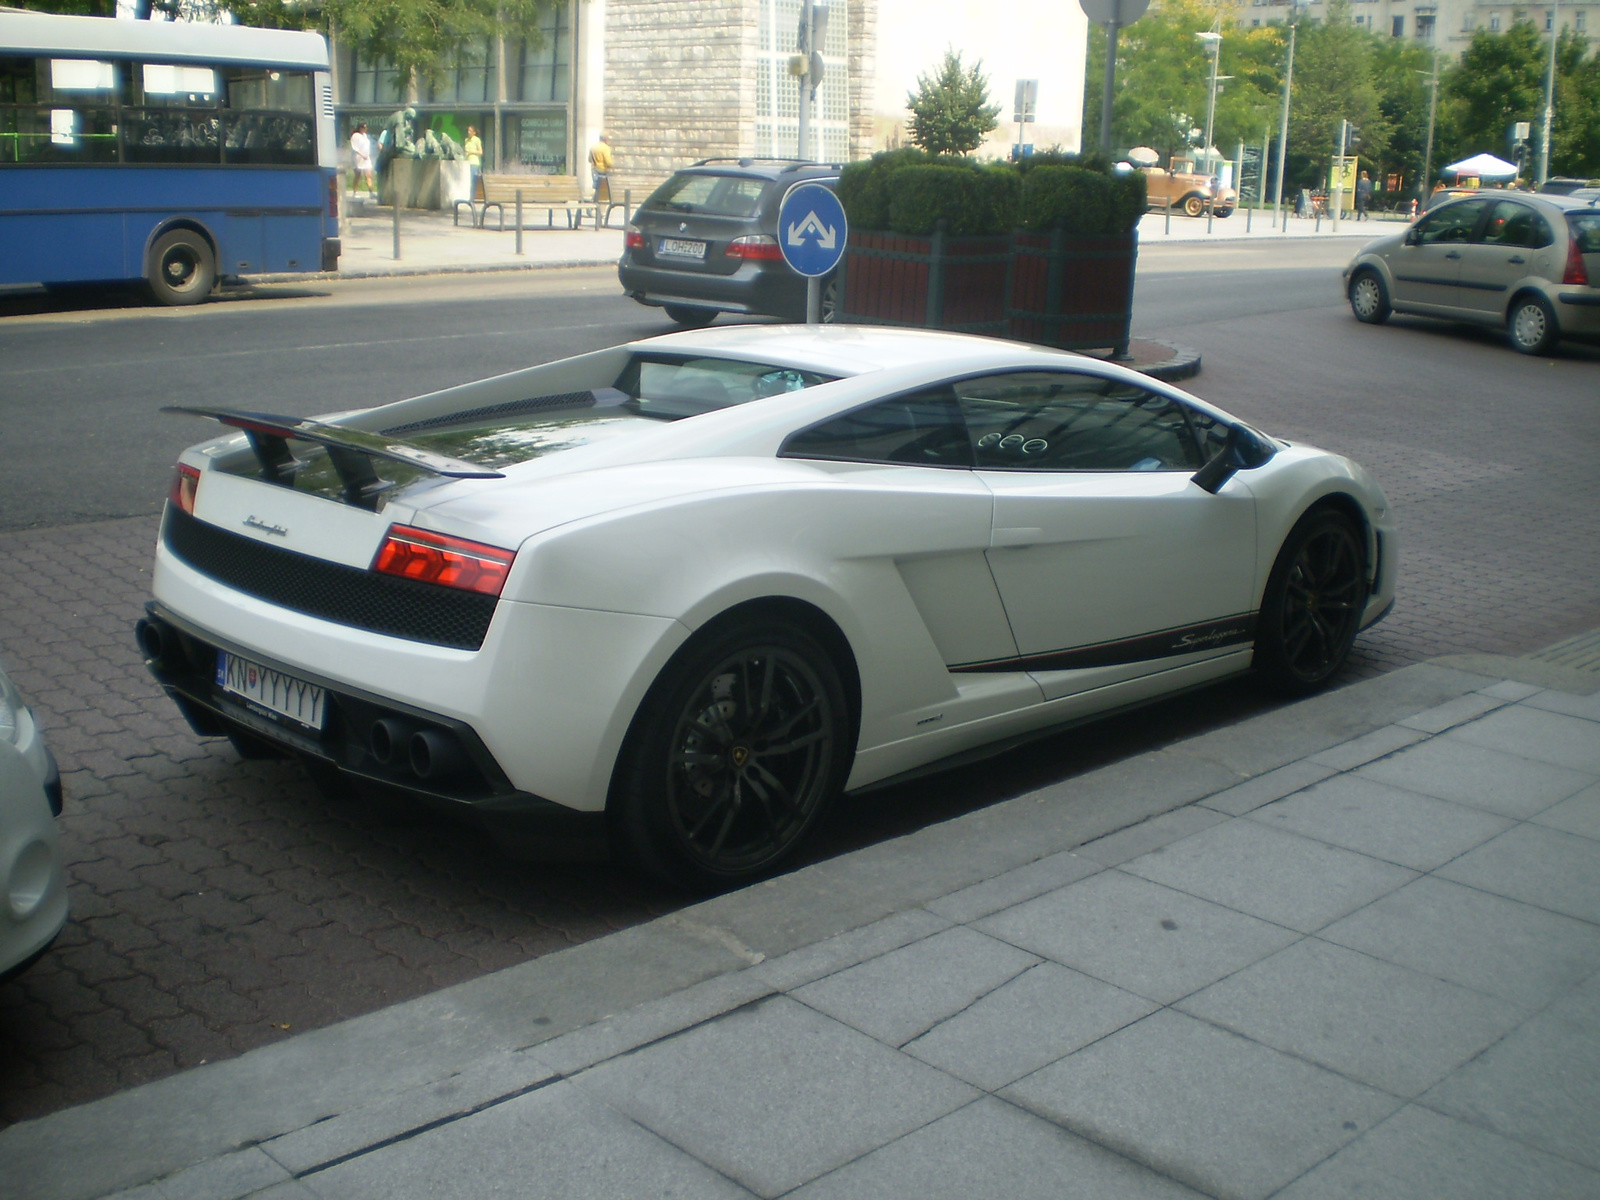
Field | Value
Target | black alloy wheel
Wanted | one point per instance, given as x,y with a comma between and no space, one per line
1313,604
734,756
1369,299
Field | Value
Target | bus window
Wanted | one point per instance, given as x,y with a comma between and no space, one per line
270,118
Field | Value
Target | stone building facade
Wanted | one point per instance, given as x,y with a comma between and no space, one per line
1445,25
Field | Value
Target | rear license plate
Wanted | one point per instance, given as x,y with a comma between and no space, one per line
274,691
679,248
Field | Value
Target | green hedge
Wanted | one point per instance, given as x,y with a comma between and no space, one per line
1081,201
970,199
908,191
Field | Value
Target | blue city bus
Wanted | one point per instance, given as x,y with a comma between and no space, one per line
169,152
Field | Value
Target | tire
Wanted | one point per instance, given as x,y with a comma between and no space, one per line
734,755
1223,213
1194,206
830,300
182,268
691,318
1369,298
1531,325
1311,611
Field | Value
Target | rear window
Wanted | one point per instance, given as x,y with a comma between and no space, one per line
1586,230
715,195
684,387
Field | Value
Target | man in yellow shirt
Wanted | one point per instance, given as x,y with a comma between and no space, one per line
473,147
600,163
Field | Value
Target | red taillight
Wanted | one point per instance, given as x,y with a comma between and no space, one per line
185,483
754,245
333,196
633,240
1576,272
448,561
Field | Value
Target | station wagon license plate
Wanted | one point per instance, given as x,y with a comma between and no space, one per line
680,248
274,691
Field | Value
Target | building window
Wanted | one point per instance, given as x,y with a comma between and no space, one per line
1425,28
1494,22
1580,20
778,92
1399,29
1549,20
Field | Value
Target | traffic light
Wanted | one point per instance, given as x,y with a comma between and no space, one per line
1352,139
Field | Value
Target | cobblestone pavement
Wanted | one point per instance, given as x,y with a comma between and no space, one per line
218,904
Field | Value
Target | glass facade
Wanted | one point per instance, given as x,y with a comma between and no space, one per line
535,115
778,92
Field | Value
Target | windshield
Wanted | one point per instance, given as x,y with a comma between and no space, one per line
716,195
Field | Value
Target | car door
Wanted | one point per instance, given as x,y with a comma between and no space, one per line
1110,561
1426,266
915,447
1511,245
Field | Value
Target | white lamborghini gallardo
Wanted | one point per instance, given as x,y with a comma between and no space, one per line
681,593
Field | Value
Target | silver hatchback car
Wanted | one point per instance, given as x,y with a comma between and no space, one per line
1529,264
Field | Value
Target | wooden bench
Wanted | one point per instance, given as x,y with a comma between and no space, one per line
553,193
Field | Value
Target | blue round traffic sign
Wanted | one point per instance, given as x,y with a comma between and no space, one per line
812,229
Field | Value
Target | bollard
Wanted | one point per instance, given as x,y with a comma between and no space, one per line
1169,215
1210,212
1318,229
396,200
627,205
519,220
1248,213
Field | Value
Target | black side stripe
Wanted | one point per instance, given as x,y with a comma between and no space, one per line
1169,643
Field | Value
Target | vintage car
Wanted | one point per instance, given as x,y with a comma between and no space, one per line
1188,190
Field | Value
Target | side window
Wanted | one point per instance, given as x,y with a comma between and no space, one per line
1511,224
268,117
1453,223
1061,421
923,430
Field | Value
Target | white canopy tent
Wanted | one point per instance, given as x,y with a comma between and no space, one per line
1484,166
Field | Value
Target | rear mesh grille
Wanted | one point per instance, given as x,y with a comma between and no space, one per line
420,612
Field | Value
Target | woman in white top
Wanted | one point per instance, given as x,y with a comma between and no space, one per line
361,148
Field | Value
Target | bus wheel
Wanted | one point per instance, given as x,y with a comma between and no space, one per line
182,269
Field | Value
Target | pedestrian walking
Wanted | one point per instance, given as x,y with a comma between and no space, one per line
361,151
473,147
1363,196
600,164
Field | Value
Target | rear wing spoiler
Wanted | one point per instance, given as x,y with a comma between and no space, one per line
351,451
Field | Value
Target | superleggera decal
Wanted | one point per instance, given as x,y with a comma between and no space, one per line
1169,643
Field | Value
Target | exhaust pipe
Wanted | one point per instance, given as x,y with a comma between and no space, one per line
152,642
387,740
435,755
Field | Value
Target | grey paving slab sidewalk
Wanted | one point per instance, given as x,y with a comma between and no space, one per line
1347,948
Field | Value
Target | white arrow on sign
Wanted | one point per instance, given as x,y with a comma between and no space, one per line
827,236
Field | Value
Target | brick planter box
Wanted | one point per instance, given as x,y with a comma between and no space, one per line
938,282
1075,293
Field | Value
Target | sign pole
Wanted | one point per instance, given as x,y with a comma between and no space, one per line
814,300
1108,87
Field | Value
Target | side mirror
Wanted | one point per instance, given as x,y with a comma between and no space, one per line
1242,450
1414,236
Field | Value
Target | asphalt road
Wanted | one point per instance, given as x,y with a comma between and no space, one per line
220,904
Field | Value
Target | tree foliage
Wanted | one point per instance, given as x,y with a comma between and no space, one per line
1163,76
950,110
1336,79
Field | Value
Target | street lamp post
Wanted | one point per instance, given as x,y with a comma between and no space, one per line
1213,45
1549,94
1427,155
1283,126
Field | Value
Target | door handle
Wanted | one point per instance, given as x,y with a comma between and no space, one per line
1016,538
1516,258
1454,254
